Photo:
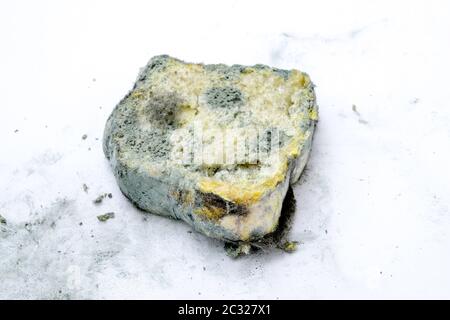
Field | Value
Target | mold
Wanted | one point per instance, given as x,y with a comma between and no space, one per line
224,97
161,109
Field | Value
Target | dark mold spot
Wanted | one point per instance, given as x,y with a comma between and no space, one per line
161,109
226,72
156,64
211,200
154,143
224,97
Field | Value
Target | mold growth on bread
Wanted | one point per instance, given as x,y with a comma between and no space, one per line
214,145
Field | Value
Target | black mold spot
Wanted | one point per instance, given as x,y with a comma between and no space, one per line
213,200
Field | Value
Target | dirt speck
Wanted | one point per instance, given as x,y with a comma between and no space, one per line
363,121
360,119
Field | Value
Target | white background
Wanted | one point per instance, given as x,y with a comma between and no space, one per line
373,205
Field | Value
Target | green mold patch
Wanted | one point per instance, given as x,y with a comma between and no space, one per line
224,97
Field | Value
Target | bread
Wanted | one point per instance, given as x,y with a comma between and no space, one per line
214,145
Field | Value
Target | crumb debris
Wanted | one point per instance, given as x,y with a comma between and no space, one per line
289,246
105,217
85,188
84,136
100,198
2,220
17,130
235,250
